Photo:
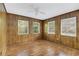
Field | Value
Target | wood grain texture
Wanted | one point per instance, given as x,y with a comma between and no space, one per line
58,38
12,29
11,37
2,30
40,48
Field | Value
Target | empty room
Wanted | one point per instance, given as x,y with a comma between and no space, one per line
39,29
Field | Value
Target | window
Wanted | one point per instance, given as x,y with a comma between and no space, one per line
36,27
68,26
46,28
23,27
51,27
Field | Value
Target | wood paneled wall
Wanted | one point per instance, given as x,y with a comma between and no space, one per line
12,29
14,38
2,29
58,38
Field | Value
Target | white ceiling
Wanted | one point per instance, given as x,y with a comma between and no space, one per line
49,9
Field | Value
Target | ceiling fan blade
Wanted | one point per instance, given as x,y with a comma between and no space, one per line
36,9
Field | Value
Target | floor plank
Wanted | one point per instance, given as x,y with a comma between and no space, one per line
40,48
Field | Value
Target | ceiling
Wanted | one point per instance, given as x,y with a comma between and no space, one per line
40,10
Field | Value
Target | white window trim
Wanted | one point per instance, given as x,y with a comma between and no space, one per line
48,28
27,22
38,28
67,34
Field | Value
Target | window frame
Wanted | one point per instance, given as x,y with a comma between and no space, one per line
27,27
46,27
38,28
72,35
52,28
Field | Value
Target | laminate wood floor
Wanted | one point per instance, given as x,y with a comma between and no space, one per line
40,48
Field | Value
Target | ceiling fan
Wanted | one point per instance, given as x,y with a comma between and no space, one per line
36,9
